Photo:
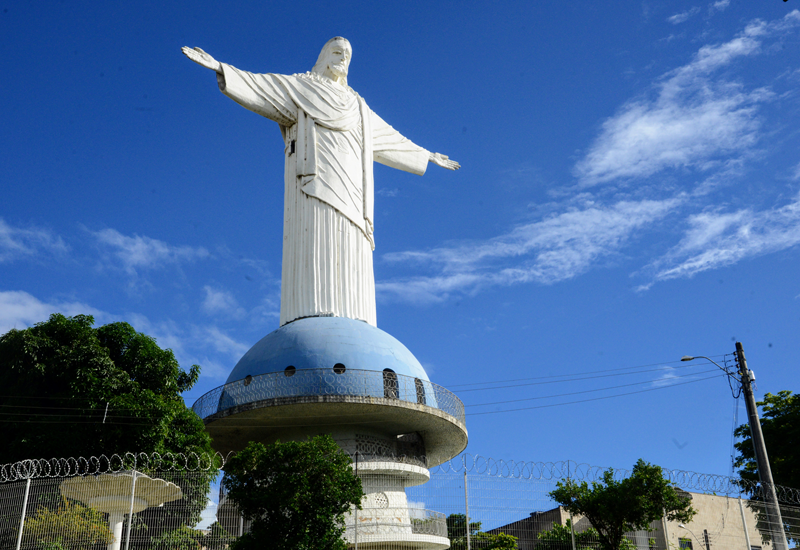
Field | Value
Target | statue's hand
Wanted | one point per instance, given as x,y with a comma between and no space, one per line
444,161
202,58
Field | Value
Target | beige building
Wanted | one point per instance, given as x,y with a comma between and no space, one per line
721,523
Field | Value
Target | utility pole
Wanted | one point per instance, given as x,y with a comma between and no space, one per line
762,460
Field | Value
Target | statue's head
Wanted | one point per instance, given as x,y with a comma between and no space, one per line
334,59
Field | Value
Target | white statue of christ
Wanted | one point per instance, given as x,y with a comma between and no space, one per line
332,138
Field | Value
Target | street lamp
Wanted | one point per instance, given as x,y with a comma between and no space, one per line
762,460
693,357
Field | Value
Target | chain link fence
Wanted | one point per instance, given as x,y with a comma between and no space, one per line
157,502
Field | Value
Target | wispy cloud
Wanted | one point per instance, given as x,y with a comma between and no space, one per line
16,242
717,239
20,310
720,5
666,379
206,345
796,173
692,120
141,252
547,251
384,192
221,302
683,16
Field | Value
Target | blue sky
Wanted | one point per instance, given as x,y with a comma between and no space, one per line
629,193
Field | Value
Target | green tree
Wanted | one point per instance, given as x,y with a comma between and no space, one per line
74,390
113,387
560,538
457,533
780,424
296,494
70,526
615,507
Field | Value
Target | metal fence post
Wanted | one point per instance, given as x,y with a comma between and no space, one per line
130,512
744,524
355,518
572,530
666,532
571,521
24,510
466,505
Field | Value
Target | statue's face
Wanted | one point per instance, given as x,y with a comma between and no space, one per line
338,59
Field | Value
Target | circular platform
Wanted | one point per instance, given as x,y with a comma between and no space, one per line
332,375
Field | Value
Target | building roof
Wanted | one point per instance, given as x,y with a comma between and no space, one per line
325,342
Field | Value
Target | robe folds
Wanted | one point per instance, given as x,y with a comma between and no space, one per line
331,139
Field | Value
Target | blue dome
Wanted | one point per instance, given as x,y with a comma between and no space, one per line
321,343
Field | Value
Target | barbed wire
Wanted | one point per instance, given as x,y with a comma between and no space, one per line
476,465
103,464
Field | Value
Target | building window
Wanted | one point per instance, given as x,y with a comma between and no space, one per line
685,543
390,388
339,368
420,391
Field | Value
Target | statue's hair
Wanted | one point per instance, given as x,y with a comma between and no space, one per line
320,66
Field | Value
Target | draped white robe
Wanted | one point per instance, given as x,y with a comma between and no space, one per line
329,189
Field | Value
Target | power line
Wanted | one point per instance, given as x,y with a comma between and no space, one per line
582,373
578,379
595,390
593,399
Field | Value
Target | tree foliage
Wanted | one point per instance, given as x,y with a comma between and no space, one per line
616,506
457,533
112,387
560,538
70,526
296,494
74,390
780,424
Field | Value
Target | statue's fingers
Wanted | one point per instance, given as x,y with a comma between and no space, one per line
200,50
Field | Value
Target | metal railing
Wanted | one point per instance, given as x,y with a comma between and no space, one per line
374,522
323,382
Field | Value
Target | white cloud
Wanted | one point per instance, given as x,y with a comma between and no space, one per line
20,310
221,302
720,5
221,342
416,509
665,379
16,242
692,120
204,345
551,250
683,16
140,252
796,173
208,515
384,192
718,239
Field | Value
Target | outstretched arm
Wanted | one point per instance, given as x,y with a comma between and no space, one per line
443,161
202,58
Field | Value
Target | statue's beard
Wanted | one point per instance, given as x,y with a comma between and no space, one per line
339,70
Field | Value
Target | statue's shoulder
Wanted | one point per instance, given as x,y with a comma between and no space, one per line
321,81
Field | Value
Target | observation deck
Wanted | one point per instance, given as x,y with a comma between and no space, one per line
280,406
332,375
